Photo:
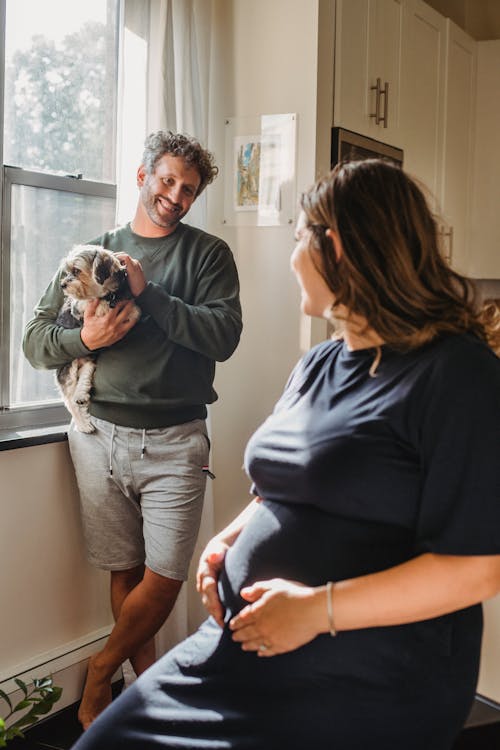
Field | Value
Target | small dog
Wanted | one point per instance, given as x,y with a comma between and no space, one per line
88,272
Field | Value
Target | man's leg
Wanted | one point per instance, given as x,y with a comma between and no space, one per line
122,583
148,508
143,611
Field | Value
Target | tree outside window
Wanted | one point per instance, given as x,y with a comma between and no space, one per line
59,132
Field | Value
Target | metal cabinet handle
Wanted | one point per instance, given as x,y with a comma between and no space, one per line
448,232
385,93
378,90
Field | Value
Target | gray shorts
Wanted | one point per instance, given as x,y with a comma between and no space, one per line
141,494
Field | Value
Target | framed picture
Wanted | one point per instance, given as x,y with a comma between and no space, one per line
246,172
260,170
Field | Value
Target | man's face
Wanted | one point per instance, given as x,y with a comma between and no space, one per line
168,193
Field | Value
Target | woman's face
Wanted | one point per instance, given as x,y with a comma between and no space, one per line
317,297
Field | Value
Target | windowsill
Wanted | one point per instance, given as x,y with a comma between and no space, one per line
28,436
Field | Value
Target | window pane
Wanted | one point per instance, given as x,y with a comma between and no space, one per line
44,225
60,86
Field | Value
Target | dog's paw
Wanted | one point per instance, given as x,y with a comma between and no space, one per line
81,397
86,427
83,421
82,400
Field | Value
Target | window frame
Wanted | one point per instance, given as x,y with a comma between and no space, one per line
51,413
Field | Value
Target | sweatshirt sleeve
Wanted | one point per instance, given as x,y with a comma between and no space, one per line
46,344
211,323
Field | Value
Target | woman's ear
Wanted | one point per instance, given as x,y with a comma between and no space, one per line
337,245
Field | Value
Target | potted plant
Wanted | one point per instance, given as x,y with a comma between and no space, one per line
38,698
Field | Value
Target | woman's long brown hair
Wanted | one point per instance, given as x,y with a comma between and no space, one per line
391,271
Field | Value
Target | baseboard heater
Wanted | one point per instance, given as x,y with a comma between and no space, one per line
67,665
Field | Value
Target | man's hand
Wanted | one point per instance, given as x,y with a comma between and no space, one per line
211,561
104,330
136,278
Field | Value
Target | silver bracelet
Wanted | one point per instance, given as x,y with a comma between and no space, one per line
329,607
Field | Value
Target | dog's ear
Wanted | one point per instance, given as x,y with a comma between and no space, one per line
101,267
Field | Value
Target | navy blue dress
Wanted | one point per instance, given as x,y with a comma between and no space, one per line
358,474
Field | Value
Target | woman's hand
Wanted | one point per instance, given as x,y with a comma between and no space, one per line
282,615
212,560
207,575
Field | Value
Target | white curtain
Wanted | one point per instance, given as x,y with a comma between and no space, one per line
164,84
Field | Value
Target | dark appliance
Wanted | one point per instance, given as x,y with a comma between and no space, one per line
349,146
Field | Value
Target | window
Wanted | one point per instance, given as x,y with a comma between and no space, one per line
58,176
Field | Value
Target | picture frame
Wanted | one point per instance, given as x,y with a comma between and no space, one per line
260,170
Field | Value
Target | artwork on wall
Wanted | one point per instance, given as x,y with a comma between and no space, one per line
246,164
259,174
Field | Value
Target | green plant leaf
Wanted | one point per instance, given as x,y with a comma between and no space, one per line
23,686
6,699
56,693
41,707
24,721
46,704
45,682
39,700
12,732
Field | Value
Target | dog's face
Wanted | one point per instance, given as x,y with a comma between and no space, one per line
90,271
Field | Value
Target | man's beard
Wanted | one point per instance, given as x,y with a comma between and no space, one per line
165,219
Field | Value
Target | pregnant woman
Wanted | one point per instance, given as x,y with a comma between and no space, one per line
345,600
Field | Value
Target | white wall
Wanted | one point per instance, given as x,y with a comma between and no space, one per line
42,557
267,63
52,601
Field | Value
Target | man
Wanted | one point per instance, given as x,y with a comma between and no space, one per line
141,474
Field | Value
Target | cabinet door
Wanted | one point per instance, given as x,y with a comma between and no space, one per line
385,37
484,249
422,96
458,141
351,66
368,45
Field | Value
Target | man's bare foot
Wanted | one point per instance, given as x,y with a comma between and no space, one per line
96,695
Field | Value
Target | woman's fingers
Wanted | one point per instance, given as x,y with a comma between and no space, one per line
211,601
279,617
207,575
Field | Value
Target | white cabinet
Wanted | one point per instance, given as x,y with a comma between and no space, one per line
368,48
484,254
489,678
429,64
437,120
458,142
422,95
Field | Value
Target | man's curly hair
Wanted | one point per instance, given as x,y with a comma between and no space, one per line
163,142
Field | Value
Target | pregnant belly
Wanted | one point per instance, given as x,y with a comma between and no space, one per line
304,544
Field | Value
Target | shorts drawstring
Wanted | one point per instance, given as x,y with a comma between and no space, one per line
111,450
111,442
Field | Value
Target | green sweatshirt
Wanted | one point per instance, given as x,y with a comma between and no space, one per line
162,372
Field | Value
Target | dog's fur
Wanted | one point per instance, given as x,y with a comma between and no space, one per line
88,272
